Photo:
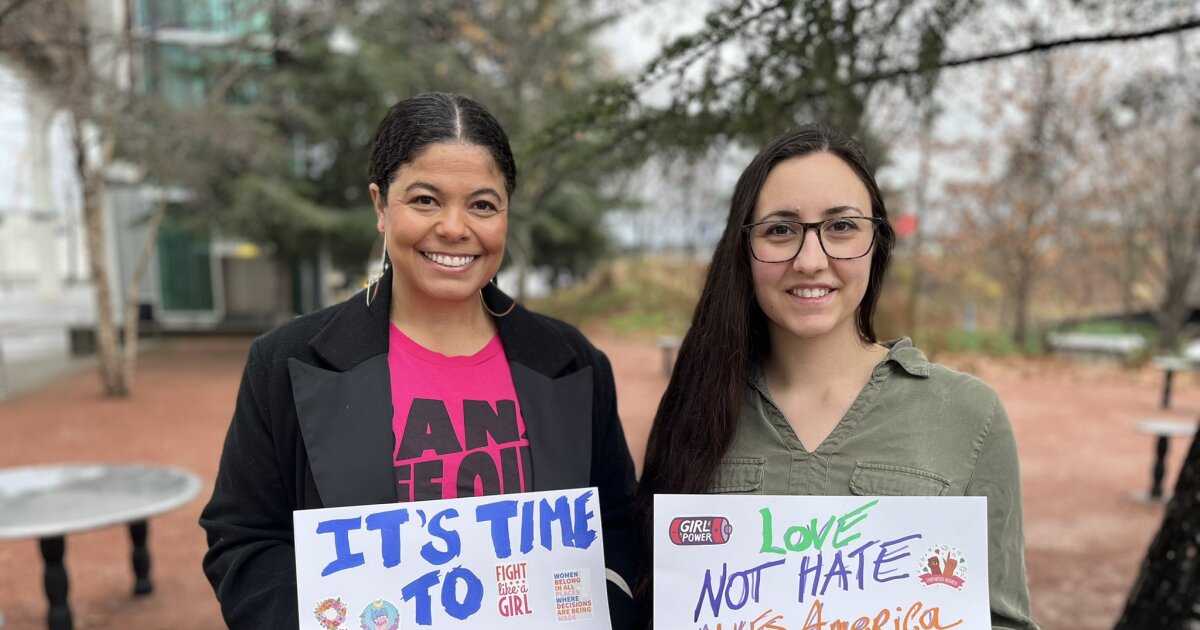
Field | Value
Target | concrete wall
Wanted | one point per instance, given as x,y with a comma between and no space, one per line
42,245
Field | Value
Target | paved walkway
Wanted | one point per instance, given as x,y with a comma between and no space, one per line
34,338
1081,459
18,377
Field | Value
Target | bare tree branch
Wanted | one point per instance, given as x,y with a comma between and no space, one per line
1034,47
607,110
12,6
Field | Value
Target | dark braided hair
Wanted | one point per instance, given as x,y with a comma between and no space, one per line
425,119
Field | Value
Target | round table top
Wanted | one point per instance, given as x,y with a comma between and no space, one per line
1168,426
45,501
1175,364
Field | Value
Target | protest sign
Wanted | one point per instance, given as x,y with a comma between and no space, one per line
820,563
532,560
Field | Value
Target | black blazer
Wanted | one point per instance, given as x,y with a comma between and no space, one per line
313,428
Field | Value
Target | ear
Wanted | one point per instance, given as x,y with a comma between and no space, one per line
380,207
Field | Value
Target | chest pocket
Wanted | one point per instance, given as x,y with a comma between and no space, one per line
739,475
899,481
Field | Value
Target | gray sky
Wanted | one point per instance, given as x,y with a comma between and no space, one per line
642,32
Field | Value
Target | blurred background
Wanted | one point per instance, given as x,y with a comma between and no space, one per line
176,176
1039,157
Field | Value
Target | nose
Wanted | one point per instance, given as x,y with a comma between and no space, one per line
452,225
811,257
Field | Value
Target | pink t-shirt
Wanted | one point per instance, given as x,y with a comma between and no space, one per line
457,423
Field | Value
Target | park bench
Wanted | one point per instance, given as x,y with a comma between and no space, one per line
1088,344
1163,429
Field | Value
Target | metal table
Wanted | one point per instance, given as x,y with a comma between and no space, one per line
1163,429
1169,366
49,502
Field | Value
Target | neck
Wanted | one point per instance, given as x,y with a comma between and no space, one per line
820,361
453,328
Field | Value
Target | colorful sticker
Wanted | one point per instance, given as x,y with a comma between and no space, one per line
700,530
331,613
380,615
943,565
573,595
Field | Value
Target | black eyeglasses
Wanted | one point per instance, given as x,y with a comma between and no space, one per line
843,238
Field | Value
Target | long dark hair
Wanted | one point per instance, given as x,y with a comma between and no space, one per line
699,412
415,123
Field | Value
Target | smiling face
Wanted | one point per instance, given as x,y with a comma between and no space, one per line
445,218
811,295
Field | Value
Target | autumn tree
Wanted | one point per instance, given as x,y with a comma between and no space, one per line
1114,237
1038,175
1153,131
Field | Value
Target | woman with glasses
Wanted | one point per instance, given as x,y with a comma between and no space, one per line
781,386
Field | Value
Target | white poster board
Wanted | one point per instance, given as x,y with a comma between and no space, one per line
532,560
823,563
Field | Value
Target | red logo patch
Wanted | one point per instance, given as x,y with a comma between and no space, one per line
700,530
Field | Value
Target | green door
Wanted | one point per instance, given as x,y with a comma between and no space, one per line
184,267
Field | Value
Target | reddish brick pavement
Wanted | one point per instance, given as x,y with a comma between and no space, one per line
1080,458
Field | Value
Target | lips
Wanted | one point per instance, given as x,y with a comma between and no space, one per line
810,292
450,260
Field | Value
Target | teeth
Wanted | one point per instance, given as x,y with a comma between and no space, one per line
449,261
809,293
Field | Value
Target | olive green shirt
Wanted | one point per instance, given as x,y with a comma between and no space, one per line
916,429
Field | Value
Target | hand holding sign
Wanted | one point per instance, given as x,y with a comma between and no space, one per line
498,561
814,563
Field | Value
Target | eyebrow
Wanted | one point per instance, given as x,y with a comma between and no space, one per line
792,215
430,187
437,191
486,191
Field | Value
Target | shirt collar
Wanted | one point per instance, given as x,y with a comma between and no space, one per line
900,351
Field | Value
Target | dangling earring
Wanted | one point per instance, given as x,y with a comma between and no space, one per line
373,286
511,306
